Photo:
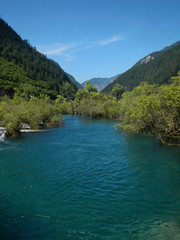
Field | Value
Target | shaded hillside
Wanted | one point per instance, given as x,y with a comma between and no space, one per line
100,83
73,80
37,69
13,79
156,68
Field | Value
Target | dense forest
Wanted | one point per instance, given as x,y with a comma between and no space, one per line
156,68
24,68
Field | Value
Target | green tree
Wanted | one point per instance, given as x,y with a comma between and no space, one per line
117,91
153,109
90,87
67,91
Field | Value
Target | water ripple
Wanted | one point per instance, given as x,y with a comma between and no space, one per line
86,181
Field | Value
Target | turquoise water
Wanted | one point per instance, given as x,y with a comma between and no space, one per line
87,181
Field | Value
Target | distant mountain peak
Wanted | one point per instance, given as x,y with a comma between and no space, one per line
100,83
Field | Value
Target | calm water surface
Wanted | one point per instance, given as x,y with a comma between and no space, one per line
87,181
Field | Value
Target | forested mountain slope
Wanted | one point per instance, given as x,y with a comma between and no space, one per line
23,67
156,68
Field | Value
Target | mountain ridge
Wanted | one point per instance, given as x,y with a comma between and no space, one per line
155,68
153,55
100,83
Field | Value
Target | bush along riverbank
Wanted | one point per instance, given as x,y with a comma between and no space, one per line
147,108
153,109
18,113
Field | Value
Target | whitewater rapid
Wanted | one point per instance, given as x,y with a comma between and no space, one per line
2,136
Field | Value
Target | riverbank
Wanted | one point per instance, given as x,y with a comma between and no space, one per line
19,115
147,108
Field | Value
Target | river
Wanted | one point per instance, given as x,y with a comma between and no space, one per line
86,180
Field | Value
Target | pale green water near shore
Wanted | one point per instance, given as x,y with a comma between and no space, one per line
86,181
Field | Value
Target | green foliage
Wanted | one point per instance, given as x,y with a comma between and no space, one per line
93,104
89,87
149,108
35,113
23,68
68,91
117,91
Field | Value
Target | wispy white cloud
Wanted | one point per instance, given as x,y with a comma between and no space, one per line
111,40
87,45
67,50
58,50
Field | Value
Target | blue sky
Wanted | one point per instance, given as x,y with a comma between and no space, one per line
94,38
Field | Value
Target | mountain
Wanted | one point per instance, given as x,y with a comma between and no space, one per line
23,68
78,85
155,54
100,83
156,68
